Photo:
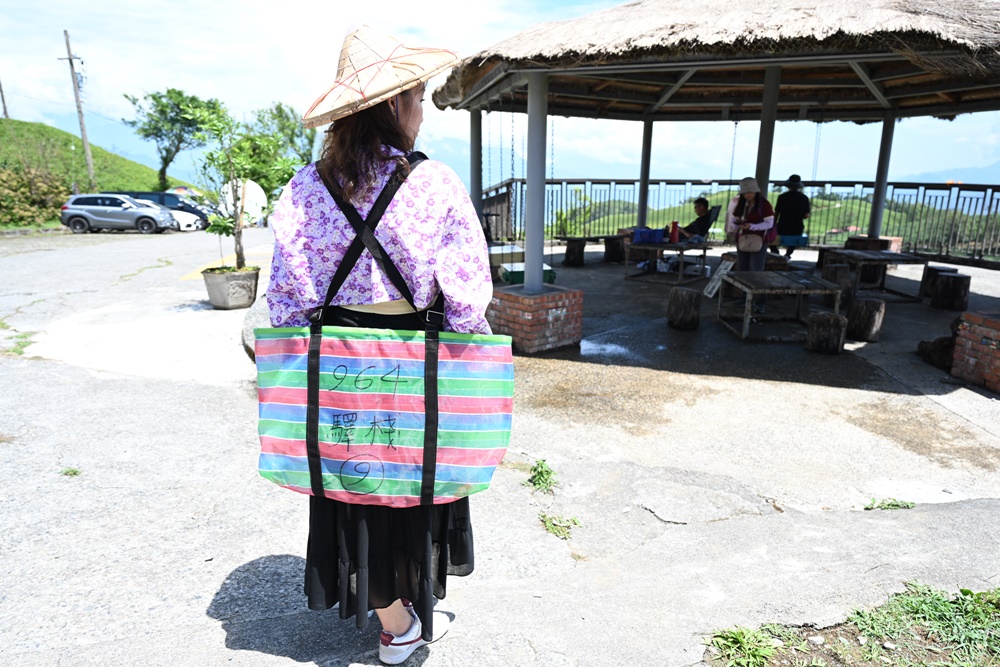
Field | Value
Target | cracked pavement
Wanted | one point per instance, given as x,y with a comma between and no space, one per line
716,482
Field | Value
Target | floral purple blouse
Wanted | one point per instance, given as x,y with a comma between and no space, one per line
430,230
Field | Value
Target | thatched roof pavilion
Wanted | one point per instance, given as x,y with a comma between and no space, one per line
705,60
769,60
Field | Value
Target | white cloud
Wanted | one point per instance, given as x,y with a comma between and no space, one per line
250,53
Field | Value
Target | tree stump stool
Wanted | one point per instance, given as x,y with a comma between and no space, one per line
684,309
951,291
826,333
839,274
929,280
574,252
864,319
614,249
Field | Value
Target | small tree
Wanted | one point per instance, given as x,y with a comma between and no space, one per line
235,154
165,118
282,121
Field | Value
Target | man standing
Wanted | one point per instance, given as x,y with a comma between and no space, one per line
790,212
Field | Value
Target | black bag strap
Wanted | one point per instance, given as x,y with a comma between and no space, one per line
365,236
433,321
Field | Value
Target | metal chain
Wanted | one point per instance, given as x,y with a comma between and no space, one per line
819,131
552,148
524,147
500,144
512,142
732,158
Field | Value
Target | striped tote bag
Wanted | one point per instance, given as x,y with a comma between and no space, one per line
373,410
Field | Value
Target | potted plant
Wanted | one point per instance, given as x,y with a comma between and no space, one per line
236,152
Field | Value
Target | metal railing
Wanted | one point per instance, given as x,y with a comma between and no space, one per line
942,220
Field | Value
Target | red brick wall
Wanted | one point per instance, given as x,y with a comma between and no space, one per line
537,322
977,350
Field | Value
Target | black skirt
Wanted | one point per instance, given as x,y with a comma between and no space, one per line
366,557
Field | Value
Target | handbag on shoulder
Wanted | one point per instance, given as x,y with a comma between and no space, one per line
389,417
749,242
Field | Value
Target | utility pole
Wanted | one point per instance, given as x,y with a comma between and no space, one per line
4,100
79,111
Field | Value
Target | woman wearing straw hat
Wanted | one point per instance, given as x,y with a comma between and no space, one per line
751,217
431,232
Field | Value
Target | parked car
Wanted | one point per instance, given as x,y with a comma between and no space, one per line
173,202
186,222
83,213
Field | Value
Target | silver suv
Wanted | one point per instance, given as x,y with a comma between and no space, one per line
83,213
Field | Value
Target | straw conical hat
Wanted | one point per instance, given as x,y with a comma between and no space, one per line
373,68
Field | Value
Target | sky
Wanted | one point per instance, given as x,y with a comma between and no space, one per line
252,53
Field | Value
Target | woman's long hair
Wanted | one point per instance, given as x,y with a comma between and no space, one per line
741,206
356,145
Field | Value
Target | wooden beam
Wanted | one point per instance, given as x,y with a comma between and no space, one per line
874,88
672,89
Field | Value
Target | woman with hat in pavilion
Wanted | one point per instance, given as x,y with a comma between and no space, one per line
751,218
431,232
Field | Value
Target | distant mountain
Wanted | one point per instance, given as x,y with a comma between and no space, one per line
989,175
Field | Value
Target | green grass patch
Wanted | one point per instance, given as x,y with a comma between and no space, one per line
70,472
559,526
542,478
21,342
743,647
889,504
920,626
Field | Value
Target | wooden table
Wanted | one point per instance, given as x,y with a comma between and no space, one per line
762,283
679,249
858,259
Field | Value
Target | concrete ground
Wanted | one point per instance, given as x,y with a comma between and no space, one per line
716,482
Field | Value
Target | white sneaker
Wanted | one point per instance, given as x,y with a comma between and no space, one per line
393,650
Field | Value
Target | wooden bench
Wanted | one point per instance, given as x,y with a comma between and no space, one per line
614,247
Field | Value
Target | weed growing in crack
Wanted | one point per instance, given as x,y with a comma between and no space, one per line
889,504
743,647
542,478
557,525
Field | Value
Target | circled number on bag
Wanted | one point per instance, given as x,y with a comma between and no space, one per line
362,475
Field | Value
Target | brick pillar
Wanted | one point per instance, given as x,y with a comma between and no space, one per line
977,350
537,322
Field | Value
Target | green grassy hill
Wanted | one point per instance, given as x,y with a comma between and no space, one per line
39,165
